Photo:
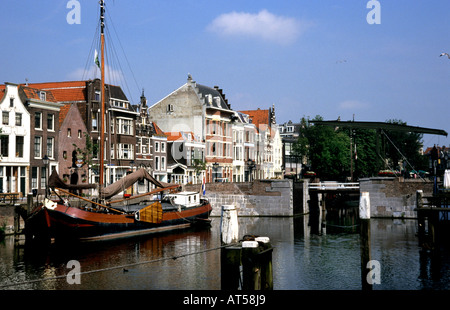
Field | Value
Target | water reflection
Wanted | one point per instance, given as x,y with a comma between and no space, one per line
310,253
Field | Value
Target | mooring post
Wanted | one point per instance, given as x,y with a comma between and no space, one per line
230,256
16,225
364,216
266,263
420,216
251,266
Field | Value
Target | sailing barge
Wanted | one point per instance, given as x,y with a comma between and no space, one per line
91,220
100,218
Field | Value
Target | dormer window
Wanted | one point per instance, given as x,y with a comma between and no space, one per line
42,96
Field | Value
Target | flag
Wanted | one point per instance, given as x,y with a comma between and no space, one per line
203,187
97,62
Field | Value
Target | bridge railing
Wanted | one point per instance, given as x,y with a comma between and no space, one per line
333,185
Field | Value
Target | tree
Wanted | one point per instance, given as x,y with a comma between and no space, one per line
366,160
327,149
401,146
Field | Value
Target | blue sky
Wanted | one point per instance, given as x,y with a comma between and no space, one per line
307,57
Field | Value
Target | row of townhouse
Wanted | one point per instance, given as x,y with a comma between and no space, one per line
190,135
235,146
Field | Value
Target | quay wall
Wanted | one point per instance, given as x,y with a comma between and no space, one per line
257,198
394,197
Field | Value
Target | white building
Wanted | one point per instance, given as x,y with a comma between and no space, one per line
15,141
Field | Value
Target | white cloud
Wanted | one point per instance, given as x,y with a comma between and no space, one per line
353,105
265,25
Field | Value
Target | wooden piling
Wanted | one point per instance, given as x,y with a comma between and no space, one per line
254,254
251,267
420,217
266,263
230,256
364,217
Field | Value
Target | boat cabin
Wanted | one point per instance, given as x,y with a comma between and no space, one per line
187,199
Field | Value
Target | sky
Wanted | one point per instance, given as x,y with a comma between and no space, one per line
353,59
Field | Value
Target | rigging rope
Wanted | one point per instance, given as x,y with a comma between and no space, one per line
401,154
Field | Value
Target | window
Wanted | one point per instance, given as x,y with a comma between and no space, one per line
125,151
156,162
38,120
111,122
156,146
43,169
94,121
119,103
37,146
69,132
19,146
96,146
18,119
42,95
125,126
79,134
112,151
50,147
34,177
4,145
11,102
97,95
50,122
5,118
65,155
169,108
163,147
163,163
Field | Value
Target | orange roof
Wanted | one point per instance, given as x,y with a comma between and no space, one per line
176,135
2,91
65,91
158,130
33,93
259,117
63,113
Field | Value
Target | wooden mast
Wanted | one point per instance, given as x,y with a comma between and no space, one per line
102,114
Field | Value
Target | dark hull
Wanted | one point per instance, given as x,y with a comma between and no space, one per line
71,223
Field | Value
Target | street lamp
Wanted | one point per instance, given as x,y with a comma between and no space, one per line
46,161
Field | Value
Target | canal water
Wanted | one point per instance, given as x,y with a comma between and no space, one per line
309,254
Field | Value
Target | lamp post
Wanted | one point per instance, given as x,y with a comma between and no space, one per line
46,161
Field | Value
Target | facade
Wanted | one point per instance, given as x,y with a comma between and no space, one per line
268,146
185,158
15,140
190,135
120,124
44,131
151,147
289,133
205,112
74,156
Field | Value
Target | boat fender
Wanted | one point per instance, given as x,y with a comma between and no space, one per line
50,204
66,202
137,216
